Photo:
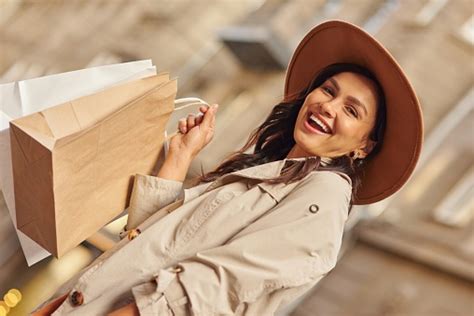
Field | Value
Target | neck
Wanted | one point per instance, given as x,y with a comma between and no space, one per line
295,152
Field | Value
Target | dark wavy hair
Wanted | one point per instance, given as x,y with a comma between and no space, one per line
273,139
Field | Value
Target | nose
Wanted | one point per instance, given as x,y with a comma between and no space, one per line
327,109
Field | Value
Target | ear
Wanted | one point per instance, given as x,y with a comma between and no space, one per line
369,146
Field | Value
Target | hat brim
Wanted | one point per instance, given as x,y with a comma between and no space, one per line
337,41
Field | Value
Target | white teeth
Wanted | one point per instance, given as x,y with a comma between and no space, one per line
321,124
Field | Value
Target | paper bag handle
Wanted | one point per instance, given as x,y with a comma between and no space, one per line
185,102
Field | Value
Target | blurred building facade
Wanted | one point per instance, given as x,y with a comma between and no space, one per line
408,255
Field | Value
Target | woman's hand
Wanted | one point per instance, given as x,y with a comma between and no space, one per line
196,131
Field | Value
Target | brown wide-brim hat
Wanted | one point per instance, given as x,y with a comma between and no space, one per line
342,42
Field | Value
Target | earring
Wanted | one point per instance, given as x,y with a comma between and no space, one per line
355,155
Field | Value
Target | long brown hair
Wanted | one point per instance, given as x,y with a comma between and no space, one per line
273,139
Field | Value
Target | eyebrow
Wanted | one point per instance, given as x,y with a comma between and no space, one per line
351,98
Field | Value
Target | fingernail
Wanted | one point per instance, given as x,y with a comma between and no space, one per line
216,106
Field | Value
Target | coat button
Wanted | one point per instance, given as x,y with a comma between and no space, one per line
313,208
177,269
133,233
77,299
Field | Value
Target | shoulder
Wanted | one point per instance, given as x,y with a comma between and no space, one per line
326,189
328,181
335,176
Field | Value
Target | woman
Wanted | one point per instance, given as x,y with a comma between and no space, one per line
264,227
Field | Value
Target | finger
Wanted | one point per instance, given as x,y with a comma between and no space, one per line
191,121
199,119
182,125
213,119
209,117
203,108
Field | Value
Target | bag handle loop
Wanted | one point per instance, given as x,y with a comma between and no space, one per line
186,102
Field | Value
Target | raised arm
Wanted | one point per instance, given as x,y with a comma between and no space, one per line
151,193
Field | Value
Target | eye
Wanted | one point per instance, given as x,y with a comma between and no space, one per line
328,90
352,111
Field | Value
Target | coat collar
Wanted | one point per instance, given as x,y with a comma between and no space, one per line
266,171
263,171
271,169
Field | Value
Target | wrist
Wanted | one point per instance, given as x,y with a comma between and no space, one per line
180,157
175,166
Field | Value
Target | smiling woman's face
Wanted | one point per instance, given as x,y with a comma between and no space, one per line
336,118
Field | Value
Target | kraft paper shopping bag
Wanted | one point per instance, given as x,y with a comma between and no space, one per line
73,163
25,97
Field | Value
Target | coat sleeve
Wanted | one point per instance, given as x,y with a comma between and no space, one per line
149,194
295,244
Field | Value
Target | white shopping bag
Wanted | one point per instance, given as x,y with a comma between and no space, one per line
22,98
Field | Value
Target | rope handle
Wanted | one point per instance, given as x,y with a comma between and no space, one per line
186,102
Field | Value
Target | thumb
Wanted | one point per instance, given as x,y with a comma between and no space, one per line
209,117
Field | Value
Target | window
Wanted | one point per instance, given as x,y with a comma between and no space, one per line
466,32
429,12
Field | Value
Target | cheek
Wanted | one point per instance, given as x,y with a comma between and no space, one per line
351,130
301,116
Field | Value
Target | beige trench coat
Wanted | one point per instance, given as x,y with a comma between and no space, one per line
234,246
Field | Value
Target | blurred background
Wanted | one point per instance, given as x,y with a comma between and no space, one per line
412,254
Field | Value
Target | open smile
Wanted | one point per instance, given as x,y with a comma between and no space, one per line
316,125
